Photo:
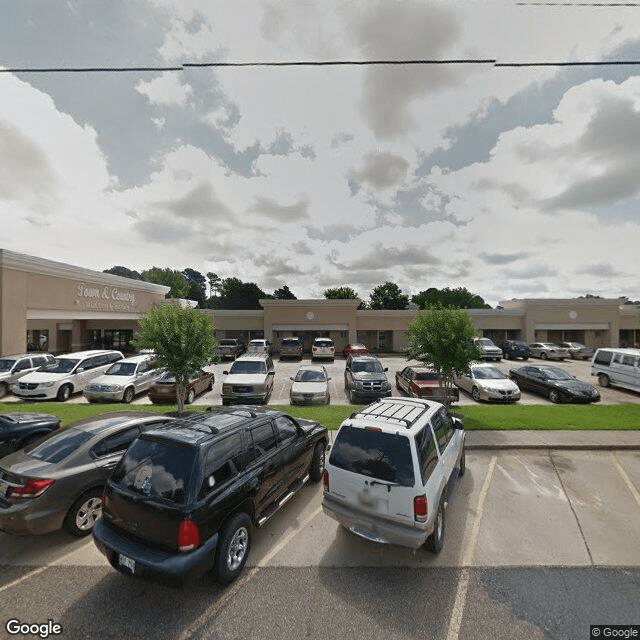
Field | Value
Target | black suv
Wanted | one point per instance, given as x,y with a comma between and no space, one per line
365,379
183,498
512,349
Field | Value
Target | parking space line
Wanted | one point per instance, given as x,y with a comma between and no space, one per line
213,610
625,477
463,583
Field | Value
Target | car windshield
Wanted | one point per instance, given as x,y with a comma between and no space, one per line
485,342
555,373
227,343
488,373
385,456
308,375
57,446
121,369
248,366
429,376
62,365
5,365
370,366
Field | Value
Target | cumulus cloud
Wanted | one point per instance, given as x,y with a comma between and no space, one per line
382,170
282,213
167,90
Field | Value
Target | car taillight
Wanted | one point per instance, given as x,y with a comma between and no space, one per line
314,348
325,480
420,508
32,489
188,536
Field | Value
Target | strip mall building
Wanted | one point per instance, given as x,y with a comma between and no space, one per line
62,308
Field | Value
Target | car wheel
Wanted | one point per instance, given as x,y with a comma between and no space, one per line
211,383
64,392
225,402
475,394
603,380
233,548
191,396
525,357
328,399
543,356
317,463
436,540
3,390
83,514
554,396
128,395
462,467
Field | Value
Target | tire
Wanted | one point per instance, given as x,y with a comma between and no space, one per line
233,548
127,397
603,380
317,463
211,384
64,392
475,394
554,396
462,467
543,356
225,402
4,389
83,514
191,396
436,540
525,358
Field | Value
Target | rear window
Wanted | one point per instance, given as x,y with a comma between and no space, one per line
323,343
384,456
156,469
58,446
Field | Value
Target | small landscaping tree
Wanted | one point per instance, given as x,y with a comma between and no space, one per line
444,337
182,339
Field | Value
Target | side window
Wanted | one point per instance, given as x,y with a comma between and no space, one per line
23,364
222,462
441,429
118,442
263,439
427,455
112,356
287,430
628,360
603,357
38,361
617,358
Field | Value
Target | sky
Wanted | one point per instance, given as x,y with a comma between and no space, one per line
511,179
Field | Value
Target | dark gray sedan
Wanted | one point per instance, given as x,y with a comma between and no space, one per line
58,480
554,383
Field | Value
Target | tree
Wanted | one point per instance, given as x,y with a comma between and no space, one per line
388,296
341,293
459,298
444,337
235,294
123,272
197,286
284,294
182,339
170,278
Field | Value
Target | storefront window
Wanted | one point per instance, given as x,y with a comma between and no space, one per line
118,339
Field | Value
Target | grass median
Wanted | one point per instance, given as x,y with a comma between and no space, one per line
567,417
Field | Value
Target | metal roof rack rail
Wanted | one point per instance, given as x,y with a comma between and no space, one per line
392,409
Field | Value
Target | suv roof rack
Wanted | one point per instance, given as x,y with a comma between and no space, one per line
403,410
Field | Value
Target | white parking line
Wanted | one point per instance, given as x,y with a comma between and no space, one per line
463,583
625,477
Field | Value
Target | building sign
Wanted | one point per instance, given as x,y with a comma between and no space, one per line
98,298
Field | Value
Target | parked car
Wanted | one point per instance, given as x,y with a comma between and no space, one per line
365,379
230,348
512,349
388,473
12,368
165,388
554,383
124,379
67,374
486,382
260,346
310,385
355,350
577,350
291,347
57,482
184,498
250,379
618,367
17,430
423,381
323,348
488,350
548,351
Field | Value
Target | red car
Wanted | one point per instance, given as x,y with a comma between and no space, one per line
422,382
164,389
355,350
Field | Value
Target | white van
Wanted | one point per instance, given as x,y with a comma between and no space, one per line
617,367
67,374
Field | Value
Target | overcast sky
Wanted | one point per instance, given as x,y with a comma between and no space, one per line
511,181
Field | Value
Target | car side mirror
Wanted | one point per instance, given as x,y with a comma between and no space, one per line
271,373
225,373
386,368
347,368
328,379
80,369
290,377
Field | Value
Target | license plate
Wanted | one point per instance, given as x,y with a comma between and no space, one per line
127,563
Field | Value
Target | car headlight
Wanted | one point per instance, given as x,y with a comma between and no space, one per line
46,385
116,387
358,384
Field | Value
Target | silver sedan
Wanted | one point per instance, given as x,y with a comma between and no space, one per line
310,386
486,382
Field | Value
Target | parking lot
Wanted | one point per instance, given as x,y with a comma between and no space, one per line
538,545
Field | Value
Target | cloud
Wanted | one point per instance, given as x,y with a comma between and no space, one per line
382,170
282,213
503,258
166,90
600,270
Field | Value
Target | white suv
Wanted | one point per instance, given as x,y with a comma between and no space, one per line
67,374
323,348
387,476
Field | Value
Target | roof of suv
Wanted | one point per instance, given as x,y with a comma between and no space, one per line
199,427
388,414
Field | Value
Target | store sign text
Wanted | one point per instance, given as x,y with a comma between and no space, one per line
104,298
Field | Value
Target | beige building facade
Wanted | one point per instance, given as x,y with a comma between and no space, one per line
46,305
